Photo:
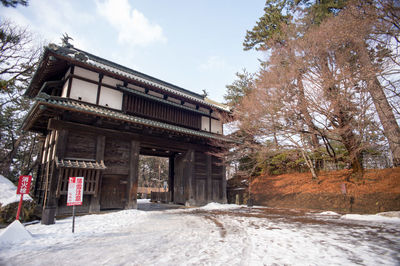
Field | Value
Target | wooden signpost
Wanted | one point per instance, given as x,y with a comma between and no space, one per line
75,195
24,185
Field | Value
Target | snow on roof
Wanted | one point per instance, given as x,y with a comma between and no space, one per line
8,192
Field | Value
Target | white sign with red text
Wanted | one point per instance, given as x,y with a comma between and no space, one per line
75,191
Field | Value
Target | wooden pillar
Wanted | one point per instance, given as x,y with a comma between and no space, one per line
223,185
39,177
56,149
95,199
209,177
188,176
133,175
171,178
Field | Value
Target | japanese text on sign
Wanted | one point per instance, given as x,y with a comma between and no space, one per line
75,191
24,184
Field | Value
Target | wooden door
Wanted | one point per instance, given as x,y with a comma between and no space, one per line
179,182
113,192
201,196
216,190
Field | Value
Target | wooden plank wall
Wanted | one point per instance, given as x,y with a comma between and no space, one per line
200,173
116,156
81,146
139,106
208,178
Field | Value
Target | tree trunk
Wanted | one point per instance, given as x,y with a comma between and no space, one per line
391,129
310,165
8,159
351,144
302,105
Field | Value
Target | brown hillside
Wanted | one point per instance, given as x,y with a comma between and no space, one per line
378,190
381,180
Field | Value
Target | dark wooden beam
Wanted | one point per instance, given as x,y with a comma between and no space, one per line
95,199
50,203
189,176
209,177
70,82
132,185
99,88
171,174
146,141
223,185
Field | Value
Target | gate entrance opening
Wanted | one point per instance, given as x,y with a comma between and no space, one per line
154,178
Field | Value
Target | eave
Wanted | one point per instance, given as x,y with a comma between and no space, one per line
65,104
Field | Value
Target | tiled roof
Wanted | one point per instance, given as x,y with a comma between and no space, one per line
106,112
98,62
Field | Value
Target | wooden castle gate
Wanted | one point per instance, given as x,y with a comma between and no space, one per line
96,117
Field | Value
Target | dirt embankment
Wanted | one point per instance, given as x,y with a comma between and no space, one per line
377,191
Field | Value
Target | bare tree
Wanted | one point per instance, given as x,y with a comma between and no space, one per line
315,87
18,59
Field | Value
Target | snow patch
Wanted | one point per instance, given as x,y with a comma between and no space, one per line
133,237
372,218
143,200
8,192
219,206
329,213
14,233
394,214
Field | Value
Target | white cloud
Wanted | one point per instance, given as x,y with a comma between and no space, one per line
49,19
132,26
213,63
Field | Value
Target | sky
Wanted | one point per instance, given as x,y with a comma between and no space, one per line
193,44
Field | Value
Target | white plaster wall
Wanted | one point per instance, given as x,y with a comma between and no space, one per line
86,73
205,123
83,91
110,98
111,81
65,89
216,126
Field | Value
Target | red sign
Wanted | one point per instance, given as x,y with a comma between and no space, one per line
75,191
24,184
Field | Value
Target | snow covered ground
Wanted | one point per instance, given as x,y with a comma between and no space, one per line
213,235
